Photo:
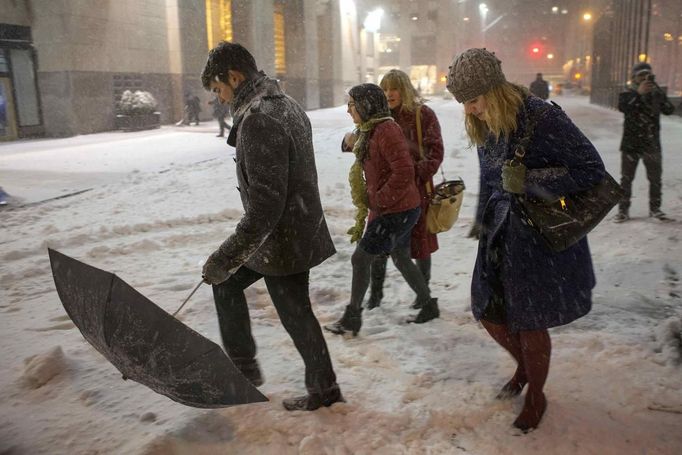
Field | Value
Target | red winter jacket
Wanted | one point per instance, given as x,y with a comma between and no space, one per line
389,172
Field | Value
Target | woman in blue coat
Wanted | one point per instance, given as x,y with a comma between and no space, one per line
520,288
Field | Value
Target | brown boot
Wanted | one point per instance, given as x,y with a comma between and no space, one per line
534,408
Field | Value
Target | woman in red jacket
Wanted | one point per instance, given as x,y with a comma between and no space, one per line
405,103
388,193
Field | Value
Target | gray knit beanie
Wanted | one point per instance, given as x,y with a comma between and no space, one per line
473,73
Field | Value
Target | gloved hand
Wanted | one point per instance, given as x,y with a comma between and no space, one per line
215,269
475,231
513,176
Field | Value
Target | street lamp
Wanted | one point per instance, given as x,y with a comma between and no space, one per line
373,20
483,10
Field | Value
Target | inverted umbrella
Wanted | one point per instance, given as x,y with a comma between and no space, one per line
144,342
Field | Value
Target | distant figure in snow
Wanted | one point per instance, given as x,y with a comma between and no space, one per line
4,197
539,87
192,108
642,103
220,111
520,288
283,232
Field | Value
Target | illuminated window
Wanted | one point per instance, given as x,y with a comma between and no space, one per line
280,45
218,21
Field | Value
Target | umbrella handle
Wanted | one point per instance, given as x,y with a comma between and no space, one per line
189,296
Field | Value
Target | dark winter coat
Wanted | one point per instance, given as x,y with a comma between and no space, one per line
423,242
642,126
283,230
389,172
540,88
541,288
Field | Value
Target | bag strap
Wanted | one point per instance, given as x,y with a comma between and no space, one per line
531,122
420,142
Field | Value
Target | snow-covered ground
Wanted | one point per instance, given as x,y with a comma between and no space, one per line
162,200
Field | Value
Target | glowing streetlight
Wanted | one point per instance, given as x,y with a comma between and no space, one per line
555,10
483,9
373,20
587,17
550,56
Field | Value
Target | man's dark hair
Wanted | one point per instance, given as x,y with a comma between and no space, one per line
224,57
539,75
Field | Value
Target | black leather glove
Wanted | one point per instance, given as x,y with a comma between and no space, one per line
215,269
513,176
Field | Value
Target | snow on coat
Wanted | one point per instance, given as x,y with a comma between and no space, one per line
541,288
283,230
642,125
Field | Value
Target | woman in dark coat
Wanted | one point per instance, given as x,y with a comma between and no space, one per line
520,288
383,185
404,102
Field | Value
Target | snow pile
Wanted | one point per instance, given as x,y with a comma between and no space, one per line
40,369
669,341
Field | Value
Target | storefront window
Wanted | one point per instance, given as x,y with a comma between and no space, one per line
218,21
280,45
4,68
23,77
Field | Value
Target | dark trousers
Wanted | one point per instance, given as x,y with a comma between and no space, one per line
223,125
653,165
291,299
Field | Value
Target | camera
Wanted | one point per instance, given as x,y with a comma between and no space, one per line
650,77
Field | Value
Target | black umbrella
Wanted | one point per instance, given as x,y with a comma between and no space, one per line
144,342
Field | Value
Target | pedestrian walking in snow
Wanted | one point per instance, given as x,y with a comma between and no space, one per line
389,194
405,103
192,108
283,232
520,287
642,103
220,111
539,87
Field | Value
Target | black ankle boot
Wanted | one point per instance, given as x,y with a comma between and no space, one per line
429,311
351,321
314,401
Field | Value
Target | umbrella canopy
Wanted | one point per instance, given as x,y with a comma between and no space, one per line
144,342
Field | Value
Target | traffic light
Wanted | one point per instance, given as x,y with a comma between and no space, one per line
535,50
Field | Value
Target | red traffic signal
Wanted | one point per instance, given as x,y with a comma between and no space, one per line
535,50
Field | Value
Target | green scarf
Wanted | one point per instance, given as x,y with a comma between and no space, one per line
358,186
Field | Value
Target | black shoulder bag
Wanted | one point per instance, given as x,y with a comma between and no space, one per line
562,222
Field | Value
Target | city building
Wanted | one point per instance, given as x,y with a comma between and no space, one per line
64,65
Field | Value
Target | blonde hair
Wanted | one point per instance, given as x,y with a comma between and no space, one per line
503,103
399,80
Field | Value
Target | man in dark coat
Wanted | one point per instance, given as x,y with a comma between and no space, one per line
283,232
642,103
539,87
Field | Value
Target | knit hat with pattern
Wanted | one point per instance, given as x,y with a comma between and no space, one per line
473,73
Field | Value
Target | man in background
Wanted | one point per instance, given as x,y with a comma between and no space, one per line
642,103
539,87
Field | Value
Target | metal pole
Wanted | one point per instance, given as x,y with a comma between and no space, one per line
189,296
